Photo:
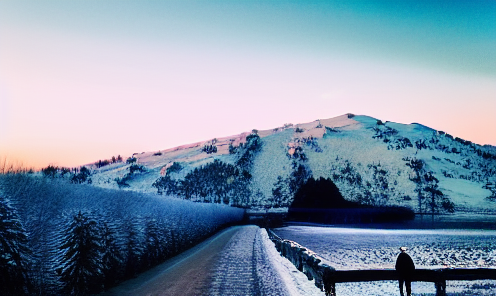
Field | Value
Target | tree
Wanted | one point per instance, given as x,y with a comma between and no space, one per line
13,252
50,171
417,166
280,193
81,263
154,243
298,177
437,200
112,258
320,194
82,176
133,247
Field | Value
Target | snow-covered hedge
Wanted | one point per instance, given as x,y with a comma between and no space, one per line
76,239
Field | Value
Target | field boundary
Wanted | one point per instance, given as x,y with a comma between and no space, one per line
326,276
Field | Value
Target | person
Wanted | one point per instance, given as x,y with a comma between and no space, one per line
405,268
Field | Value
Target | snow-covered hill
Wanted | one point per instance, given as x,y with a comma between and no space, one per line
370,161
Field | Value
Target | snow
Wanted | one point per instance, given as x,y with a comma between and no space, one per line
350,248
297,284
46,207
351,144
466,194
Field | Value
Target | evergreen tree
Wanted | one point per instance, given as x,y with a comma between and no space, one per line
298,177
154,244
436,199
13,252
320,194
81,266
280,193
112,258
133,247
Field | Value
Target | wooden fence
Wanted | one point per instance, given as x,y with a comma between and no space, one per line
326,276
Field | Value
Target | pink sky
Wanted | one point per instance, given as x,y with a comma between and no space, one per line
69,98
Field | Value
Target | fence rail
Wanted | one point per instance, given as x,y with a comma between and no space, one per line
326,276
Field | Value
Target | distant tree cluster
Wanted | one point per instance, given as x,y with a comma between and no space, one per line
430,198
76,175
391,137
131,160
83,176
133,170
174,168
58,238
298,153
320,194
374,190
321,201
248,151
284,189
209,149
311,142
216,182
105,162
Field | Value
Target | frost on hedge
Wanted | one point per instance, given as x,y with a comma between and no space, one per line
58,237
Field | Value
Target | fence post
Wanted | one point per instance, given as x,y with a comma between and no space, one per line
328,279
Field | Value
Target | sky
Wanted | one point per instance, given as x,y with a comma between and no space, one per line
86,80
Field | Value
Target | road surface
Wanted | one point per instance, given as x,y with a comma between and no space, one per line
233,262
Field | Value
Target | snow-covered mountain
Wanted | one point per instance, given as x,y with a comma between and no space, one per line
374,162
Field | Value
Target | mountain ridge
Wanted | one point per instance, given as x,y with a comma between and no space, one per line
370,161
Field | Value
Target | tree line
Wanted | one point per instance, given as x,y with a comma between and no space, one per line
62,238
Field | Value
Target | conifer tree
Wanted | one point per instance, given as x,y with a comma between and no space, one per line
112,258
13,252
154,243
81,263
133,248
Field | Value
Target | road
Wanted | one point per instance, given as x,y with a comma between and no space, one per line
233,262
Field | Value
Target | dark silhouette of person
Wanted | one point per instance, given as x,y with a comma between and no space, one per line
405,268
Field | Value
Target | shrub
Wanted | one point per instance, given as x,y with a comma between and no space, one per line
81,177
136,168
174,168
131,160
209,149
50,171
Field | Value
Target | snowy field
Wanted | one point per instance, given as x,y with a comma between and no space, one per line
351,248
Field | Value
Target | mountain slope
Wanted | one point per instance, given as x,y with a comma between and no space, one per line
370,161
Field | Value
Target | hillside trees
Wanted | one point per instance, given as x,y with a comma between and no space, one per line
215,182
81,177
429,196
247,152
319,194
280,193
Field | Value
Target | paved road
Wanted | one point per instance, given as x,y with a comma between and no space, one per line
244,269
232,262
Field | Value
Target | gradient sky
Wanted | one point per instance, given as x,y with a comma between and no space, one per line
85,80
